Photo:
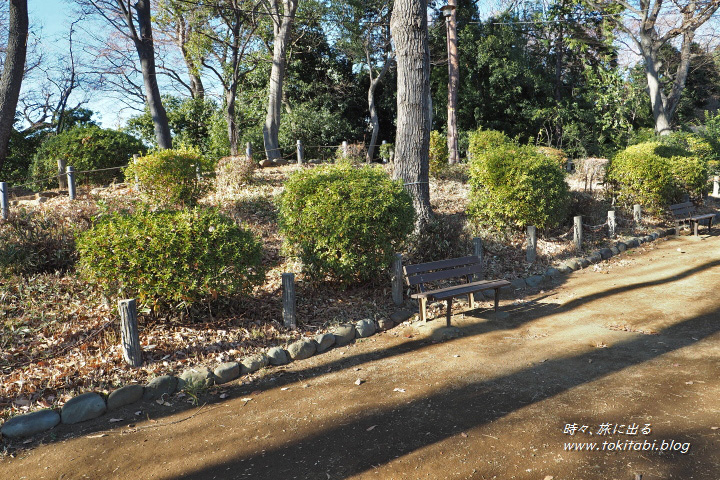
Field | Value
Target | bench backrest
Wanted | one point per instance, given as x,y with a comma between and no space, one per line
441,270
682,209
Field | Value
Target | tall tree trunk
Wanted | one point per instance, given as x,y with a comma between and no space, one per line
146,53
281,29
409,31
13,71
657,97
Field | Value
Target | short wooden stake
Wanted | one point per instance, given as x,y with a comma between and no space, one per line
397,280
531,251
577,230
478,252
716,186
4,200
248,151
288,299
345,149
62,179
300,153
71,182
637,214
132,353
612,223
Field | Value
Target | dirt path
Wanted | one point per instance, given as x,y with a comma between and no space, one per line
636,344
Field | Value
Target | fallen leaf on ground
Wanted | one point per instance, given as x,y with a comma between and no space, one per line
115,420
401,390
370,428
359,381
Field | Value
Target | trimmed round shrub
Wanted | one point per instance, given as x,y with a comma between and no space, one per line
169,177
232,173
170,259
86,148
438,153
516,186
656,175
345,223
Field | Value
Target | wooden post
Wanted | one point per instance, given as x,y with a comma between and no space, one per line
577,229
569,166
198,174
300,153
135,159
4,200
71,182
62,179
248,151
288,299
612,223
132,353
397,280
531,251
716,186
345,149
637,214
478,252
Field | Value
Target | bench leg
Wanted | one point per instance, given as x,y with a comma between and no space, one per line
497,298
471,300
449,310
423,309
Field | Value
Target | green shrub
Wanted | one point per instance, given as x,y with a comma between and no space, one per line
232,173
656,175
517,186
345,222
438,153
555,154
86,148
170,259
169,177
482,140
639,174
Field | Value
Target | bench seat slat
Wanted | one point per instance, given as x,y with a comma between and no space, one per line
464,289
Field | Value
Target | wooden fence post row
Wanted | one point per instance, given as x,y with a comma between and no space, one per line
637,214
130,336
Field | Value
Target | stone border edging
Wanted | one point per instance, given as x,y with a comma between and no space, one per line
88,406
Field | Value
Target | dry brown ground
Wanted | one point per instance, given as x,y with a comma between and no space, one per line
635,341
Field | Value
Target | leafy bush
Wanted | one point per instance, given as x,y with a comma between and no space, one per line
691,174
482,140
169,177
41,240
438,153
86,148
355,154
345,222
445,236
514,185
171,258
231,173
653,175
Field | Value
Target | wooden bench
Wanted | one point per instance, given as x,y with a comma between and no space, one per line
685,213
466,268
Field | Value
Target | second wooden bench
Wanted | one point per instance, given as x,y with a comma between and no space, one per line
685,213
467,268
